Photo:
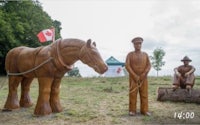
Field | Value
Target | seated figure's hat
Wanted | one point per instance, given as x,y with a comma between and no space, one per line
186,59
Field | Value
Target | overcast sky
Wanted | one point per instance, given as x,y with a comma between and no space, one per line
173,25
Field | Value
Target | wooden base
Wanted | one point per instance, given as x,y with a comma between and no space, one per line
178,95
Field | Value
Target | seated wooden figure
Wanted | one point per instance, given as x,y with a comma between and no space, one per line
183,83
184,75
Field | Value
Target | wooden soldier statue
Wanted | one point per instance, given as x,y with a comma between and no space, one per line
138,66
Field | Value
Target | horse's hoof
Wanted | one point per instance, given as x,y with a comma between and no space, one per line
26,105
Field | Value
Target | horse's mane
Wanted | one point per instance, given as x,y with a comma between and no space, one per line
72,43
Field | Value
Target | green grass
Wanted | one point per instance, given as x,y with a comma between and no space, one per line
100,101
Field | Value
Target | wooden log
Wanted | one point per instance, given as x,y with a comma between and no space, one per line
178,95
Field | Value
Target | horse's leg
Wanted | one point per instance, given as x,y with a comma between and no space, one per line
43,107
12,101
54,97
25,100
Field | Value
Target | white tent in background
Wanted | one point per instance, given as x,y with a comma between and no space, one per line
115,68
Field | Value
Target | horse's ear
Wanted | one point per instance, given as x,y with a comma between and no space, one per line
94,44
89,42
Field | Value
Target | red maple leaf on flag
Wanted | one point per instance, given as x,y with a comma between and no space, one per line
48,33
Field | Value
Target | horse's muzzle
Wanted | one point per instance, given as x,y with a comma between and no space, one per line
103,69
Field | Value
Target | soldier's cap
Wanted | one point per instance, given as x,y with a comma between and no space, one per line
137,40
186,59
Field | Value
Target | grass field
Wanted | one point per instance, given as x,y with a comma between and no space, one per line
100,101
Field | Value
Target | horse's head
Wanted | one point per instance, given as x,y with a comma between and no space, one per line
90,56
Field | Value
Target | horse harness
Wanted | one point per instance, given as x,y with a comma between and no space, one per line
60,60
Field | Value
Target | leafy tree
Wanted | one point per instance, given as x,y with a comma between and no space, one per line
157,59
20,22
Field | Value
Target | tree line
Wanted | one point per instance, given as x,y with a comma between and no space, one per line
20,22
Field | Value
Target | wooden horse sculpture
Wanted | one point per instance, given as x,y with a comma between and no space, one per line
48,64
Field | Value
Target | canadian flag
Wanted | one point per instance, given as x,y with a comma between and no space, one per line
46,35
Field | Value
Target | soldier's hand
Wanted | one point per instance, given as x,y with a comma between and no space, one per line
187,74
137,79
142,76
178,74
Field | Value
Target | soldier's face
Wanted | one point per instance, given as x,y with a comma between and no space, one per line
186,63
137,45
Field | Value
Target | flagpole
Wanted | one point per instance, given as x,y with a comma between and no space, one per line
53,39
